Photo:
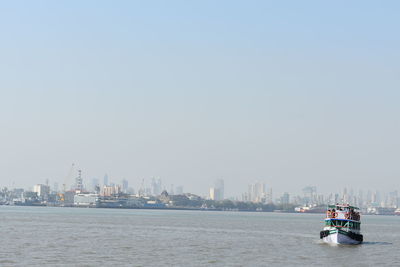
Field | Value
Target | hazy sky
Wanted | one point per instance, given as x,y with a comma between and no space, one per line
292,93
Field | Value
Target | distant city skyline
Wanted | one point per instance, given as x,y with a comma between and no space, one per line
257,191
287,93
251,190
259,197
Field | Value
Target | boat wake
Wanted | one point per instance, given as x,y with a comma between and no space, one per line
377,243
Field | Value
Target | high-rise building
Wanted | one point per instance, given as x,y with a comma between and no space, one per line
214,194
41,190
156,187
55,187
220,186
257,193
94,184
285,199
369,197
125,185
360,199
337,198
111,190
345,196
269,196
105,180
310,197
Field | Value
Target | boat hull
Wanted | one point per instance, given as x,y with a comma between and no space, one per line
339,238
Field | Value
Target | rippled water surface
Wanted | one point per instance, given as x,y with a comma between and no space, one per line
45,236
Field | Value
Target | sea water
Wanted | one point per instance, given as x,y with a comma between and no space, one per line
49,236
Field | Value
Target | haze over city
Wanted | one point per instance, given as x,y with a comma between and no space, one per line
290,95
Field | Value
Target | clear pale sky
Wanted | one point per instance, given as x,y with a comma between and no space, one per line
292,93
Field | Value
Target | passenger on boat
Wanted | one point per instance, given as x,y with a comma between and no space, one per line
329,213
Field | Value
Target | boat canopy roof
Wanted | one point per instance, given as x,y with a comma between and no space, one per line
345,206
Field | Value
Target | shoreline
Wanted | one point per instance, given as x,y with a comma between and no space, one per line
184,209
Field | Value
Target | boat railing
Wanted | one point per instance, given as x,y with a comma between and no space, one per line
348,215
343,224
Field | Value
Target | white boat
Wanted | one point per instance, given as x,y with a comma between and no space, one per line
342,225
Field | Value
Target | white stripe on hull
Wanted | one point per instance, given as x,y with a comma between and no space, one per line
338,238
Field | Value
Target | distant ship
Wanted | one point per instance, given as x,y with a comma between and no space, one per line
314,209
342,225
